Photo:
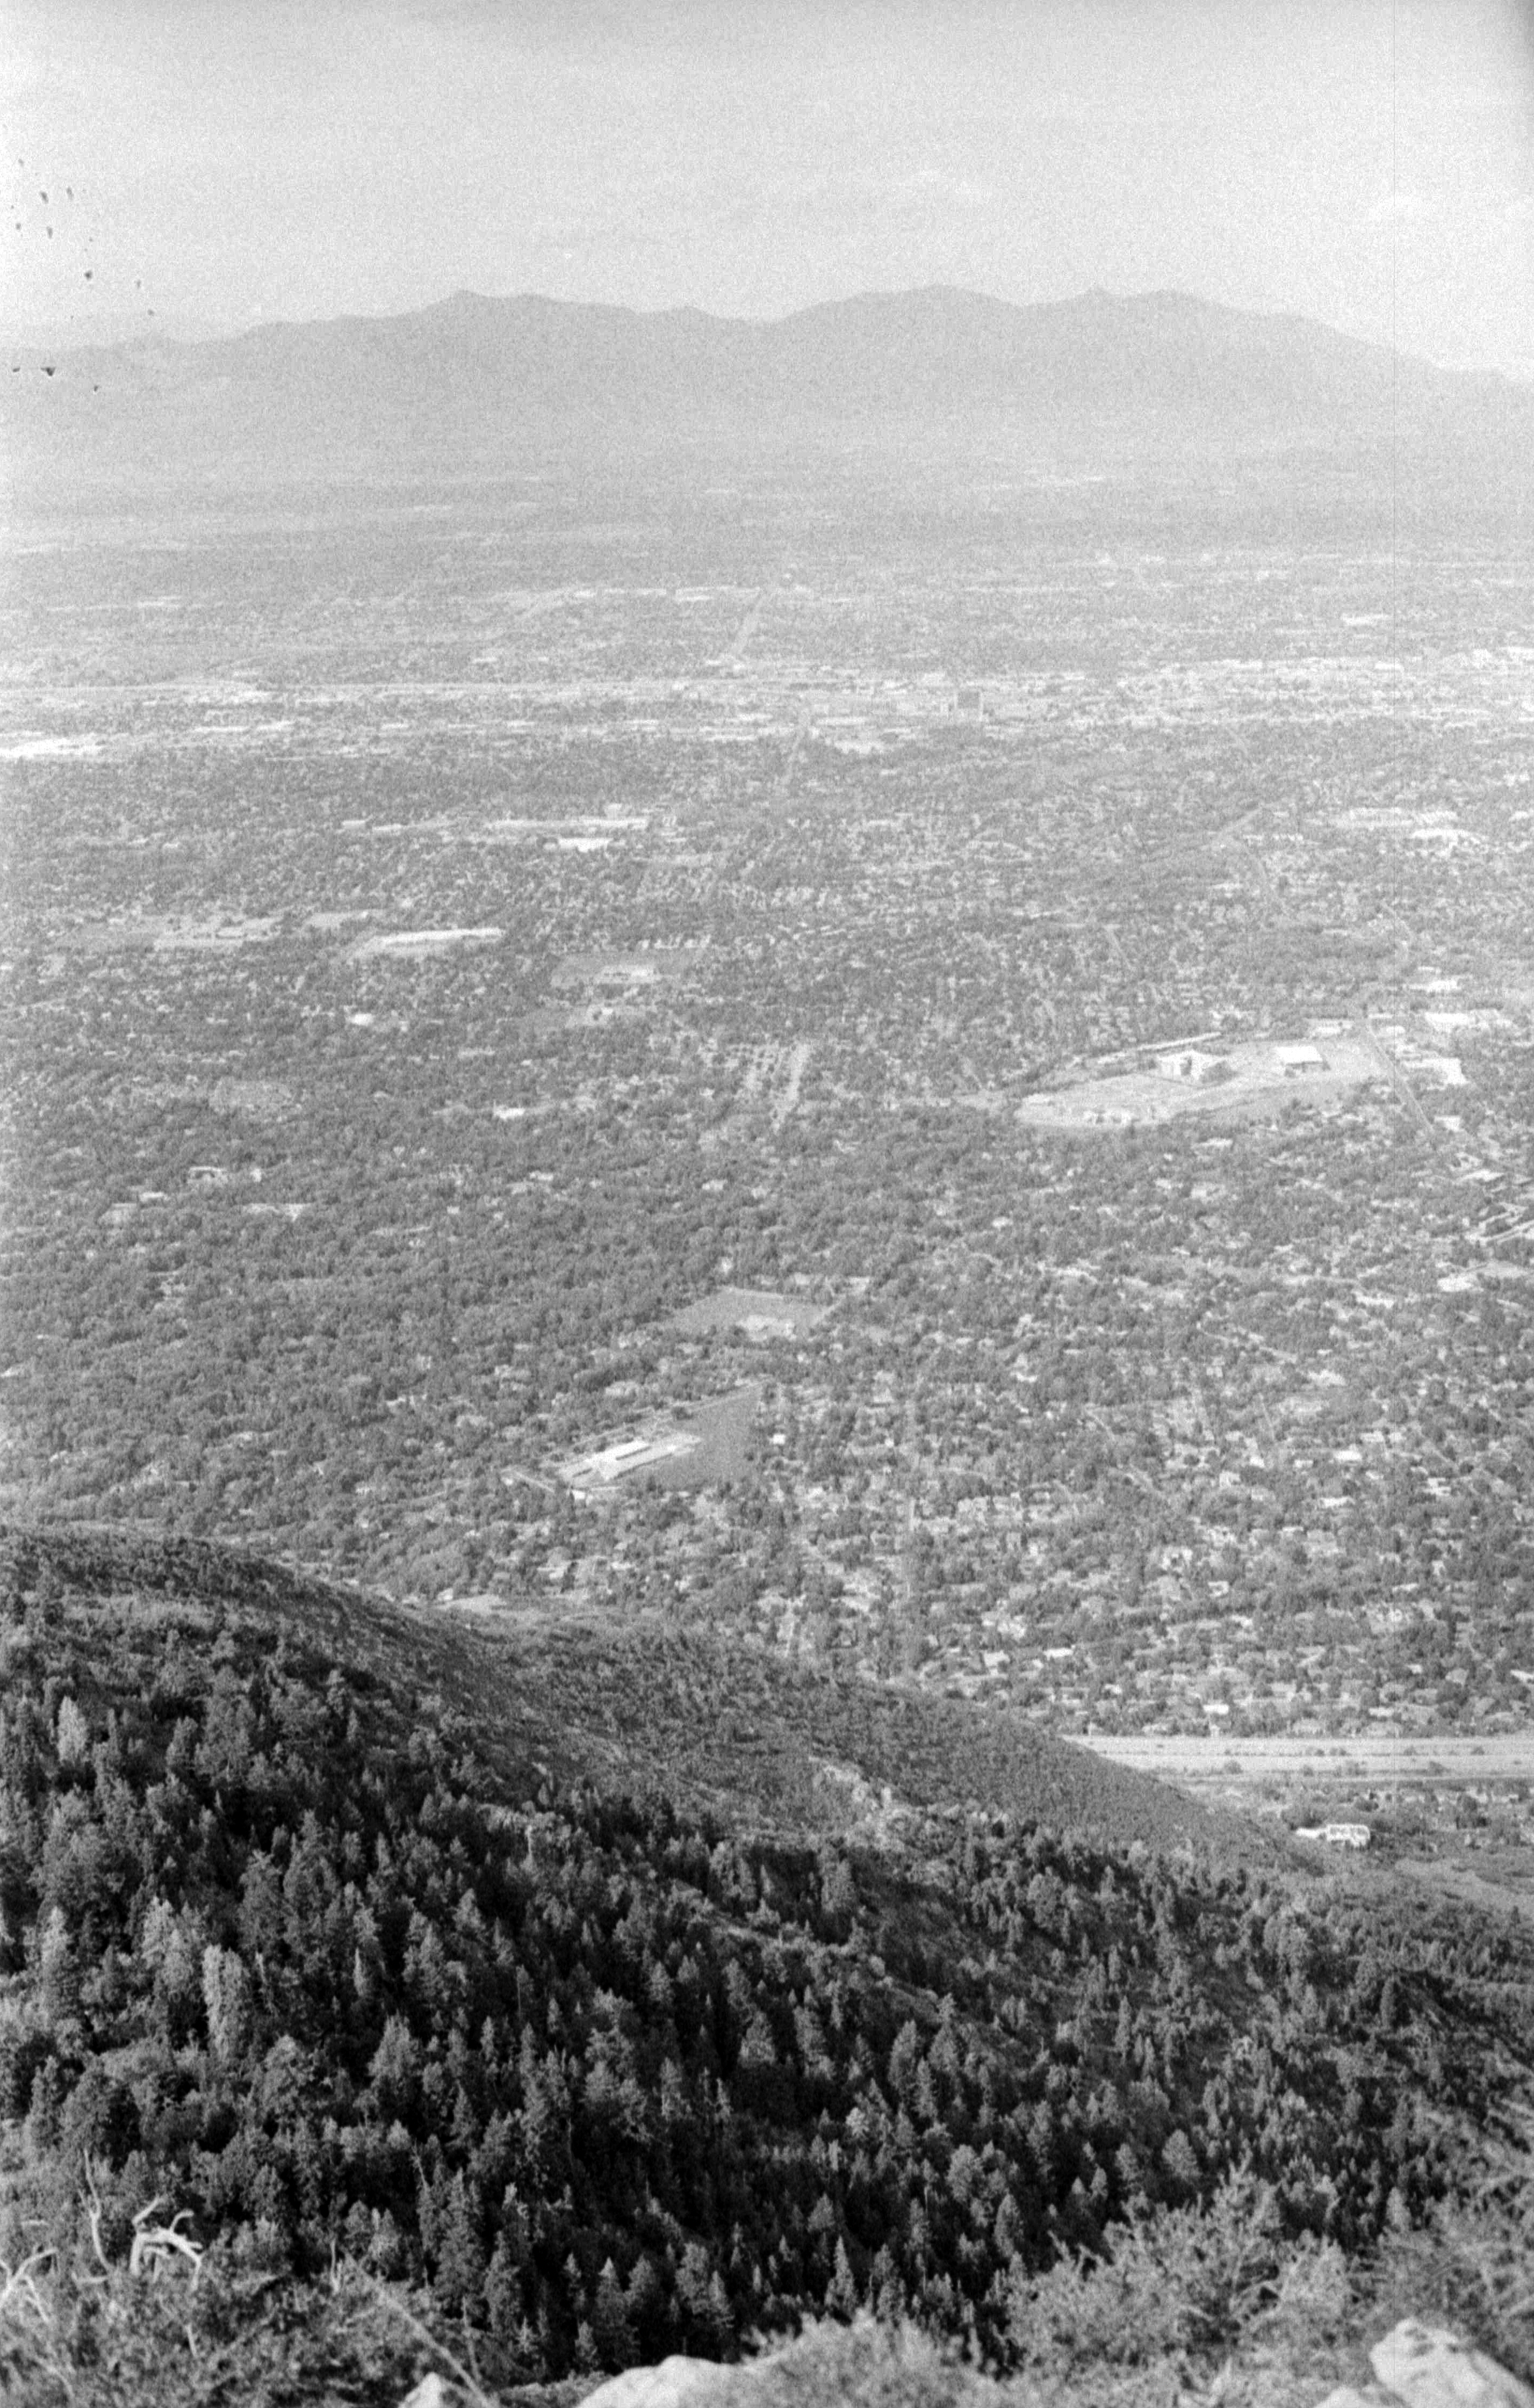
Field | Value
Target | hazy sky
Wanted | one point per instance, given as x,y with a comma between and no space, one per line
223,159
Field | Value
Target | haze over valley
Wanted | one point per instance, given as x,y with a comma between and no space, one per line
766,1083
896,1057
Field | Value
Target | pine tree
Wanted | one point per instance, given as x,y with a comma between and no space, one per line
227,1996
609,2322
459,2277
841,2297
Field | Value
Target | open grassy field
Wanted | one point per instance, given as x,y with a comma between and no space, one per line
693,1449
1256,1078
759,1313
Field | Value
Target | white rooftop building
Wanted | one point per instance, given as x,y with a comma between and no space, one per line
1295,1060
1189,1063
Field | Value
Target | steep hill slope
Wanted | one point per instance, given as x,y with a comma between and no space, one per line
301,1930
647,1707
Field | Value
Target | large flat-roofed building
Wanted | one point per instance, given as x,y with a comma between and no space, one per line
1188,1062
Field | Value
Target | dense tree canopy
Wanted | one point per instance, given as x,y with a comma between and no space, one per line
277,1941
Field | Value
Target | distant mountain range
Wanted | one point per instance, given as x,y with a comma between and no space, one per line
1101,381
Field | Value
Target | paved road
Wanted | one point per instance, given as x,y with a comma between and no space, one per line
1384,1755
1399,1079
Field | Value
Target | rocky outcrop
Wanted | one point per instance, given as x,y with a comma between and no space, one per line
676,2382
1414,2366
1422,2366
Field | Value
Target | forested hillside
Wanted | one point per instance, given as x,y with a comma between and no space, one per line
654,1701
312,1954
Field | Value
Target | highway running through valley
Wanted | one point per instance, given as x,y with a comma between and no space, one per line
1383,1757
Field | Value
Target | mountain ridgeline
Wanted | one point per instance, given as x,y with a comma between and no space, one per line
1095,385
